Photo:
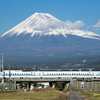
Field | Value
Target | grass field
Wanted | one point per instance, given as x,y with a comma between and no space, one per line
27,96
35,94
90,95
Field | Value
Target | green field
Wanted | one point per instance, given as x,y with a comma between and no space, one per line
35,94
90,95
27,96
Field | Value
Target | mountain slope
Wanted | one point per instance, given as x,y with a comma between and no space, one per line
42,35
49,45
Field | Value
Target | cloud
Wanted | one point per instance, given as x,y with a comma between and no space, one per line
88,27
98,24
75,25
96,28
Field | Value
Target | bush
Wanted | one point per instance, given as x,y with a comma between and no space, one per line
61,97
36,90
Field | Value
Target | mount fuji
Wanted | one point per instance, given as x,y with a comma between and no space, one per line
43,35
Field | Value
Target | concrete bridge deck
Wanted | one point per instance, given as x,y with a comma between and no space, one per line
41,80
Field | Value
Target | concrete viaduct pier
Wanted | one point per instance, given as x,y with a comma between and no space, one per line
37,80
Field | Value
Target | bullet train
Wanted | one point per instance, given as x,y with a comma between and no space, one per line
49,74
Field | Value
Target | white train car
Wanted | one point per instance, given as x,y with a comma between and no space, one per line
49,74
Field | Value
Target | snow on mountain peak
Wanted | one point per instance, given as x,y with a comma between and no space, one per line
37,22
46,24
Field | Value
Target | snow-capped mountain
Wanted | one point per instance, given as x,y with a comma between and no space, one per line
42,35
46,24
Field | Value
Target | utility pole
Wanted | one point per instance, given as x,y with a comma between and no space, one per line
9,71
34,67
0,63
2,70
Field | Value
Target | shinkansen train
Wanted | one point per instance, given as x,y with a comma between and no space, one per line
49,74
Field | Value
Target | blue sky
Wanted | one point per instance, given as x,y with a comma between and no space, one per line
12,12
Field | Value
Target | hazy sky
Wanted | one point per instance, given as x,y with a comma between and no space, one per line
85,13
